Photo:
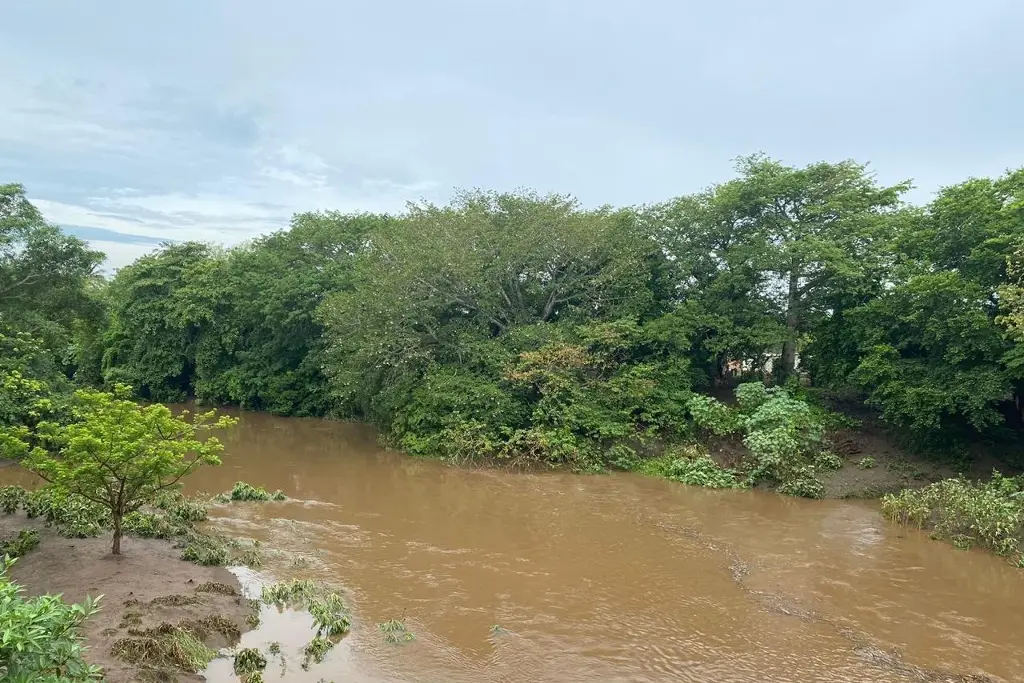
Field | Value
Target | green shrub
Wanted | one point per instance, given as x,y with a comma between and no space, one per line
180,508
26,540
41,640
149,525
866,463
714,416
70,515
967,513
207,551
12,498
242,491
330,616
827,461
691,466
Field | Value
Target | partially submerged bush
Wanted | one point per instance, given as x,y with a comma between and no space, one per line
249,661
150,525
41,636
395,632
967,513
217,551
330,615
245,492
315,650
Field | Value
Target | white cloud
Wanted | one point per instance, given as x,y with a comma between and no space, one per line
217,119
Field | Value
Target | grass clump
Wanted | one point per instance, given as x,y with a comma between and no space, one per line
175,600
967,513
866,463
395,632
26,540
245,492
165,647
212,587
248,662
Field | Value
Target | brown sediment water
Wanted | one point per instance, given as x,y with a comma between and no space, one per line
599,578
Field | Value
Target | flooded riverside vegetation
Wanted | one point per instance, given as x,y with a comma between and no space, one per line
606,426
562,577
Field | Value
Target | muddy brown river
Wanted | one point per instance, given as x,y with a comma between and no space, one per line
599,578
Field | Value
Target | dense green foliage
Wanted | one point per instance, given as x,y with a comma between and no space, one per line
528,329
41,643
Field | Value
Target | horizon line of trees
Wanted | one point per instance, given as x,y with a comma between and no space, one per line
524,325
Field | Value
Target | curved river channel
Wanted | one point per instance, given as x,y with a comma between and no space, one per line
600,578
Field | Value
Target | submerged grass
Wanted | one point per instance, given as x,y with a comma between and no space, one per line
967,513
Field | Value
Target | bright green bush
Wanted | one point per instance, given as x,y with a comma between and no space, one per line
967,513
784,436
41,641
243,491
692,466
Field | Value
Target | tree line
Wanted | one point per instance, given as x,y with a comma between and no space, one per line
530,328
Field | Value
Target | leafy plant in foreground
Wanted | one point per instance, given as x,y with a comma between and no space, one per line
40,636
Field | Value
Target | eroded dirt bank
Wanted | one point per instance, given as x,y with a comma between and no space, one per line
145,589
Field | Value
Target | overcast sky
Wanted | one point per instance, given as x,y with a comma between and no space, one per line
133,122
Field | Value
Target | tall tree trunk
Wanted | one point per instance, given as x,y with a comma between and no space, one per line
788,360
116,548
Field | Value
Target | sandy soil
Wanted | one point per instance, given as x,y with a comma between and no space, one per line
136,587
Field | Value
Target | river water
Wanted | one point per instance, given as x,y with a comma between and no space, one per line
598,578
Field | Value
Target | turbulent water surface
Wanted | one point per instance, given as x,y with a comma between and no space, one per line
600,578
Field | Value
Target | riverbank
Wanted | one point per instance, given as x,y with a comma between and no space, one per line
148,591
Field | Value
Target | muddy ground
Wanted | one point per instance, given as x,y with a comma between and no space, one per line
147,586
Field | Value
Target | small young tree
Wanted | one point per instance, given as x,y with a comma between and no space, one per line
118,453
